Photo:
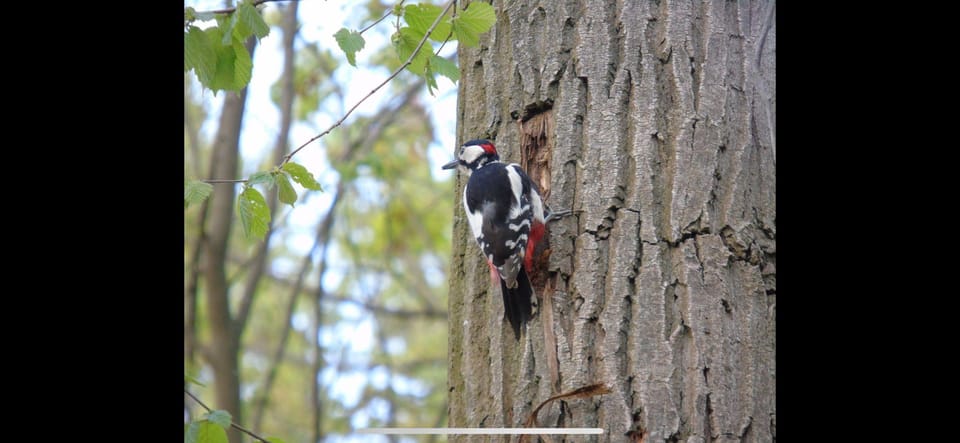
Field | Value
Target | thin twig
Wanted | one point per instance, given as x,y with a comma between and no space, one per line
416,51
388,14
445,40
224,180
231,10
241,428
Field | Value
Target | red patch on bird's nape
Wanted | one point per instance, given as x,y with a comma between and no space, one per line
488,148
536,234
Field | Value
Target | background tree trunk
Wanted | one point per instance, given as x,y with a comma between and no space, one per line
224,346
654,122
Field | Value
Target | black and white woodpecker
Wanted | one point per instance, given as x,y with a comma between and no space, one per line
506,216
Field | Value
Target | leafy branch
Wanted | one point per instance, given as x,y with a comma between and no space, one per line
199,429
190,14
220,61
377,88
217,55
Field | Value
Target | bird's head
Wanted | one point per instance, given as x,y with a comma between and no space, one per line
473,155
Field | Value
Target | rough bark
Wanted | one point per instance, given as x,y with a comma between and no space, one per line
657,127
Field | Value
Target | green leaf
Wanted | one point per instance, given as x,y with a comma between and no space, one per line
302,176
254,213
242,65
220,417
405,42
198,54
477,19
287,194
421,16
226,24
445,68
191,379
251,21
429,78
234,66
210,432
193,431
350,42
195,192
262,177
275,440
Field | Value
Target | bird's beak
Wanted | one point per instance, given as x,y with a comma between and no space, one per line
451,165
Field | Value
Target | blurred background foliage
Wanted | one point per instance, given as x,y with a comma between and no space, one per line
347,296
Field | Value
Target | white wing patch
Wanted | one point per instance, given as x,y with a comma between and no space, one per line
516,227
516,185
536,205
475,219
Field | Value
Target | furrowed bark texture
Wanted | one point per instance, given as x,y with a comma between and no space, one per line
656,126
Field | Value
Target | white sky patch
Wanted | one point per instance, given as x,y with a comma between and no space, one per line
396,345
300,321
432,270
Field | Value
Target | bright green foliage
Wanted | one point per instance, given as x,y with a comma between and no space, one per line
254,213
217,55
476,20
466,27
198,54
287,194
275,440
234,67
302,176
405,42
249,21
195,192
205,431
262,177
350,42
220,417
220,60
445,67
421,16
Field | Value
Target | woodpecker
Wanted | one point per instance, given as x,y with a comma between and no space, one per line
506,216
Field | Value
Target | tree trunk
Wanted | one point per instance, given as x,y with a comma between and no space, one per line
655,123
224,333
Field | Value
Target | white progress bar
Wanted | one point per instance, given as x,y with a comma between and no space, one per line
480,431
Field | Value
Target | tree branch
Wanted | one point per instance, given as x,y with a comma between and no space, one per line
280,149
402,313
388,14
231,10
322,238
224,180
232,424
391,77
